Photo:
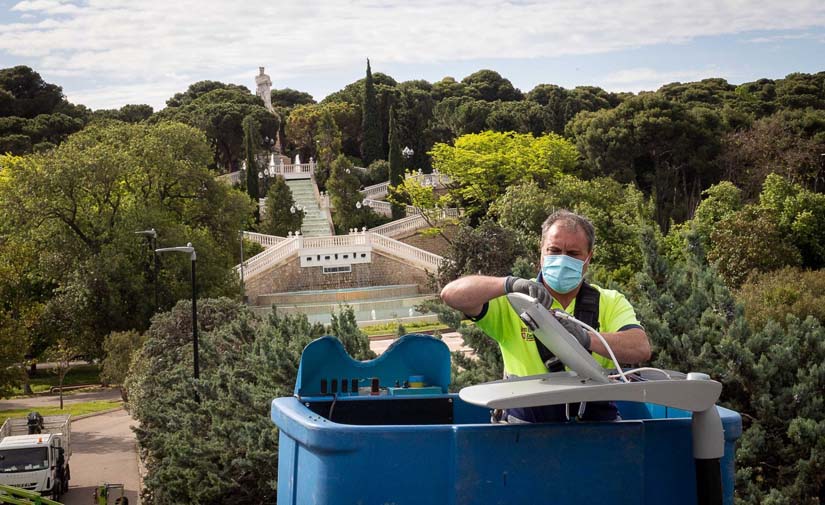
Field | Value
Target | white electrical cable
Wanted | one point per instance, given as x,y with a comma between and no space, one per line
564,315
643,369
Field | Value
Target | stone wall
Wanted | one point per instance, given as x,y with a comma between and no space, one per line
435,244
383,271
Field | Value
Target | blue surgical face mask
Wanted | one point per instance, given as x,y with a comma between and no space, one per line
562,273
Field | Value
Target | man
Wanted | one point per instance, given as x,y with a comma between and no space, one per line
566,251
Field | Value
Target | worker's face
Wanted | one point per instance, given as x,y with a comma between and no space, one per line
563,238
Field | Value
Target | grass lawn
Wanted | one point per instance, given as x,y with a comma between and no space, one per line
392,328
47,378
75,409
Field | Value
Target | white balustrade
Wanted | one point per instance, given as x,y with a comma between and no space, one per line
417,257
295,171
335,241
269,258
376,190
401,226
263,239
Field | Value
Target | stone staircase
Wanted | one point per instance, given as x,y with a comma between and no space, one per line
316,221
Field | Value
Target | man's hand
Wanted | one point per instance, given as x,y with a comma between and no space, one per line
530,288
582,335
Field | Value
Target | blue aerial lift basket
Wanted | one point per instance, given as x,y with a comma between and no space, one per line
422,445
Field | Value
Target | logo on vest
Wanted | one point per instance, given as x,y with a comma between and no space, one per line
527,335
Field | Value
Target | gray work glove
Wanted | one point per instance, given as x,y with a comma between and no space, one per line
530,288
581,334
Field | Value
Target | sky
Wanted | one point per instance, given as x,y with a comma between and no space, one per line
109,53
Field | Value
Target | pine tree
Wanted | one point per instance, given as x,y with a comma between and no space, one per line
396,164
371,126
345,327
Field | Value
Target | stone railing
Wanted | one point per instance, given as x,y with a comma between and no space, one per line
412,255
231,179
335,241
376,190
287,248
385,208
293,171
269,258
401,226
263,239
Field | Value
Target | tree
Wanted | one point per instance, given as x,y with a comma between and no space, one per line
787,143
32,95
61,355
664,147
200,88
619,214
771,296
413,109
482,165
489,85
719,202
302,126
328,142
34,116
736,253
79,205
252,143
218,110
487,249
769,375
396,165
281,217
345,328
371,148
289,97
120,348
343,188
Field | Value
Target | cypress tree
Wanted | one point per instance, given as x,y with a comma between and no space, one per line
251,141
371,147
396,163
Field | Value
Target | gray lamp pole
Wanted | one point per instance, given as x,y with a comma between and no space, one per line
243,294
188,249
152,236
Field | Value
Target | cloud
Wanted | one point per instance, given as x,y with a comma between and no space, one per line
46,6
818,37
129,42
648,79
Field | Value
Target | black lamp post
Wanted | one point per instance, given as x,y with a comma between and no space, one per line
152,236
188,249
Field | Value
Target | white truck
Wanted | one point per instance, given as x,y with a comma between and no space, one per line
34,453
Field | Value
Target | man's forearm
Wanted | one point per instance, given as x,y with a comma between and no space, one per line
629,346
469,294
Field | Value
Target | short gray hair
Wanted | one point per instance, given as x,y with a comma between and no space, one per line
572,220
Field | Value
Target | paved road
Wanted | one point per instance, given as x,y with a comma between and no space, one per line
103,446
103,450
452,339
